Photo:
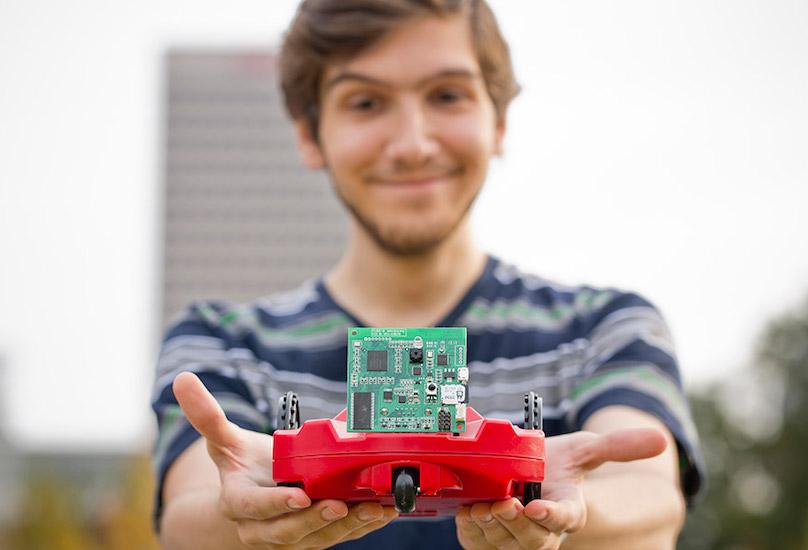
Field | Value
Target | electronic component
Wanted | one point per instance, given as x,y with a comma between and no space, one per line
377,360
362,405
460,412
452,394
407,379
444,420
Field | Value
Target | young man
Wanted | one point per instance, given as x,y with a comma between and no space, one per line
403,102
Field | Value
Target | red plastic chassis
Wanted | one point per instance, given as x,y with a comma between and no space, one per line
492,460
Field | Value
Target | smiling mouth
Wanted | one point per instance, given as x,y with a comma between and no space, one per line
415,180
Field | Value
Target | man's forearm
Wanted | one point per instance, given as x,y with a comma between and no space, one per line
193,521
629,510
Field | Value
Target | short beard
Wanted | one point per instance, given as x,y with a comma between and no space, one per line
406,248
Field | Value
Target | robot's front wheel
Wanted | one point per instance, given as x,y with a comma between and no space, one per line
404,490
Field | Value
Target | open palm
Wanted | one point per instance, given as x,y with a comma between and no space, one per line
562,508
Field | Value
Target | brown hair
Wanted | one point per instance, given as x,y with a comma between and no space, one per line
325,31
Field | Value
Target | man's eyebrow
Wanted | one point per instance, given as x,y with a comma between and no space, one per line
446,73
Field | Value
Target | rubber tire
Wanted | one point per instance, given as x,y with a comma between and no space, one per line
404,492
533,421
533,411
532,492
288,411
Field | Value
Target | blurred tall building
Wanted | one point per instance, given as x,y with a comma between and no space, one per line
243,217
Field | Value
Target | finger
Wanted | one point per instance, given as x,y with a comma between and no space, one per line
469,534
294,527
529,534
390,514
494,532
254,502
620,446
203,412
358,516
558,517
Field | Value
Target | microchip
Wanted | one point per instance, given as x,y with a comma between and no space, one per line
377,360
402,398
443,359
362,410
416,355
388,395
416,371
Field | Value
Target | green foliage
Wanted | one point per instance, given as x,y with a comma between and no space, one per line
54,514
758,478
127,524
48,518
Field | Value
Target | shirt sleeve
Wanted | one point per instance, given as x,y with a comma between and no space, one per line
203,341
630,360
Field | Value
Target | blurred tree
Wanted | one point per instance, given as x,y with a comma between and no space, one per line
126,525
754,433
52,515
49,518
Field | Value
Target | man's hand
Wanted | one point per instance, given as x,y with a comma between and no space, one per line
539,525
267,516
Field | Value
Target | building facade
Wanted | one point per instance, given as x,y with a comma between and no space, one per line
242,216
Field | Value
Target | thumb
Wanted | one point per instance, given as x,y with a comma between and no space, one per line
620,446
203,412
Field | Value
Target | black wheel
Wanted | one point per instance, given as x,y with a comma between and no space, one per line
533,411
404,490
288,411
291,484
532,492
533,421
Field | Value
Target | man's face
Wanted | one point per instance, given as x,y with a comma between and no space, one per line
406,131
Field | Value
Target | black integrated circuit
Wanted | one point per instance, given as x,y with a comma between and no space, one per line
362,410
377,360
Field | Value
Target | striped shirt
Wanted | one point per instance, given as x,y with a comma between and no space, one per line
581,348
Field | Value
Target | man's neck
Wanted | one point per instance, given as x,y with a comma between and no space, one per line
383,289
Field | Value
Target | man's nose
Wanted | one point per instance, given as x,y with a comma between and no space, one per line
412,141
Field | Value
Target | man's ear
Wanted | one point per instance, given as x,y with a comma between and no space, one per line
307,147
499,135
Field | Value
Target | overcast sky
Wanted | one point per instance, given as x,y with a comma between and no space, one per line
657,146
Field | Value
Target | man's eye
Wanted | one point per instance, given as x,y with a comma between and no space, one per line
448,96
364,104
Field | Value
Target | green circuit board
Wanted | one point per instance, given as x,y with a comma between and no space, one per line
407,380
